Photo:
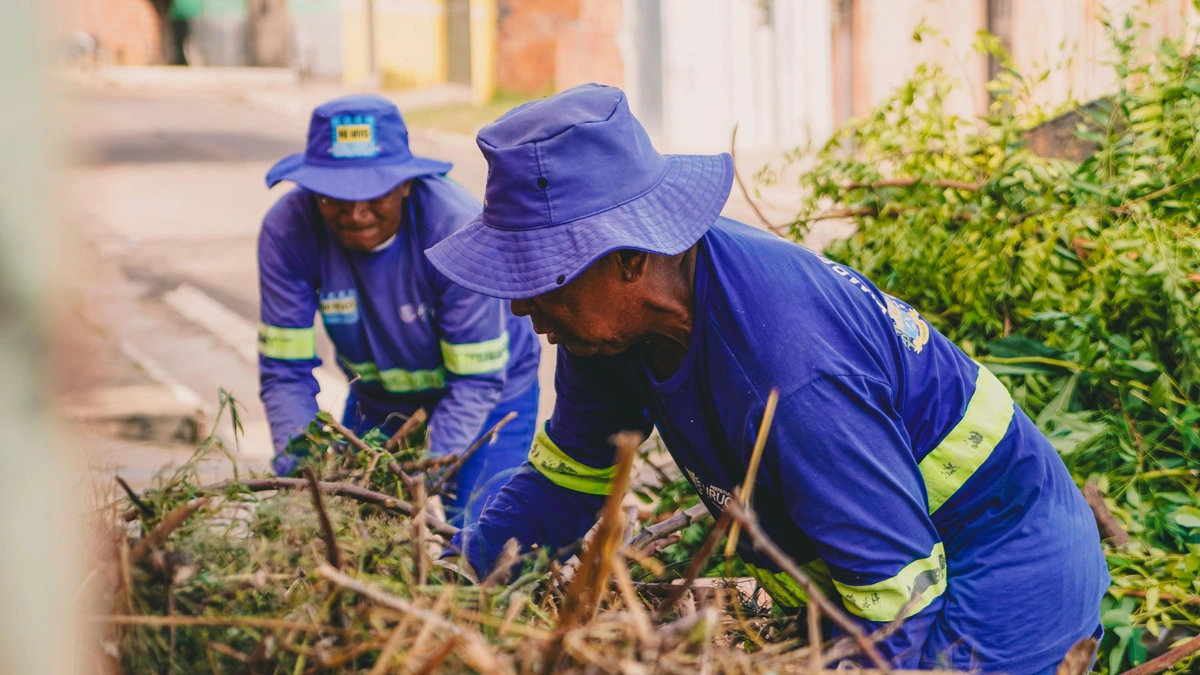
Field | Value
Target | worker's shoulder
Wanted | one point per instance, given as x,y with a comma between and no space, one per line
292,213
444,207
774,267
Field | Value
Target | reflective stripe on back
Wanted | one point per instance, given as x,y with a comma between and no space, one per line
477,357
970,442
292,344
398,380
564,471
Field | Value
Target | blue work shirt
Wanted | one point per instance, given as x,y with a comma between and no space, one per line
897,470
411,336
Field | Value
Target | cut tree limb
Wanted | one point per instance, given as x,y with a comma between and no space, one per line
669,526
1110,528
347,490
1167,660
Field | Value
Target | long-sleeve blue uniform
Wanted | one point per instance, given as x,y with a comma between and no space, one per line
896,468
411,336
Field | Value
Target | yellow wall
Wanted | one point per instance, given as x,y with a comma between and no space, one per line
485,26
410,42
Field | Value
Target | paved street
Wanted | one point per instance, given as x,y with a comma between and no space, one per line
165,194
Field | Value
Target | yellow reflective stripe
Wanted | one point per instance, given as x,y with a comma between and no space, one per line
970,442
287,343
398,380
784,590
884,601
477,357
564,471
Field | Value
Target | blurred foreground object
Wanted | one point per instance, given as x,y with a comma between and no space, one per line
36,572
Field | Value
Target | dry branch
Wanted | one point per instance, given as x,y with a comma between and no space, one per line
410,425
347,490
169,524
763,543
462,459
669,526
1167,660
476,653
1110,528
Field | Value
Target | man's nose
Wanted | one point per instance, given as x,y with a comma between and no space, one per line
361,212
521,307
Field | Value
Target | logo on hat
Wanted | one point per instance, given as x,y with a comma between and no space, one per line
353,136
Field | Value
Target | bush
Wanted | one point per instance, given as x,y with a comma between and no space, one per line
1078,282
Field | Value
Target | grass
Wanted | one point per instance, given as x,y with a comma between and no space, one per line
466,118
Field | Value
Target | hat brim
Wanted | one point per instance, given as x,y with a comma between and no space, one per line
523,263
352,182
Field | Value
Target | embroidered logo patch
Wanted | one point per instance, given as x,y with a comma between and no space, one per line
354,136
339,307
909,325
712,493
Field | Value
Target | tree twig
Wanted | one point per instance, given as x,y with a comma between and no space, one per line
1110,527
669,526
695,565
462,459
347,490
746,493
1167,660
169,524
134,499
777,230
476,653
333,553
908,182
763,543
410,425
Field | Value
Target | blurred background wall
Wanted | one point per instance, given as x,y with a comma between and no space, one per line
786,70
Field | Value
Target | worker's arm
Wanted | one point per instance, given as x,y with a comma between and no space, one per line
471,328
286,339
840,457
555,498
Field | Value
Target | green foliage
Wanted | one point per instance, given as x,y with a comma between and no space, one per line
1077,282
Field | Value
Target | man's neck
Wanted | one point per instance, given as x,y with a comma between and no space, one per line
673,311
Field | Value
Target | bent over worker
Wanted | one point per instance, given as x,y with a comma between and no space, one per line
348,243
896,467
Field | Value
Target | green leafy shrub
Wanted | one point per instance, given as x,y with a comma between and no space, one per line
1078,282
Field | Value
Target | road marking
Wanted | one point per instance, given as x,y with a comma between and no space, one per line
241,336
182,393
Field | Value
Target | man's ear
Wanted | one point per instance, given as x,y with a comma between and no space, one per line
405,188
631,263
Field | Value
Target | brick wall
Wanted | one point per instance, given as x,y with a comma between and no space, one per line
556,44
527,41
126,30
587,46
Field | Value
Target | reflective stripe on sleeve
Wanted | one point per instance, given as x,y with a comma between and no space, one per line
564,471
785,590
398,380
970,442
292,344
924,579
477,357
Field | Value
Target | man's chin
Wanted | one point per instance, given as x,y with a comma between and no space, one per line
581,349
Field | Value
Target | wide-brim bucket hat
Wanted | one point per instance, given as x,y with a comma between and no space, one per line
357,149
570,179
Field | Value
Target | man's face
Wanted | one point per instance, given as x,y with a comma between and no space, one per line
364,225
589,316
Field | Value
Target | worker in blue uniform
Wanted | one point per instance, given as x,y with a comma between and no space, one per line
348,243
897,470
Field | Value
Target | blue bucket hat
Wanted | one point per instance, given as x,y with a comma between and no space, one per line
571,178
357,149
